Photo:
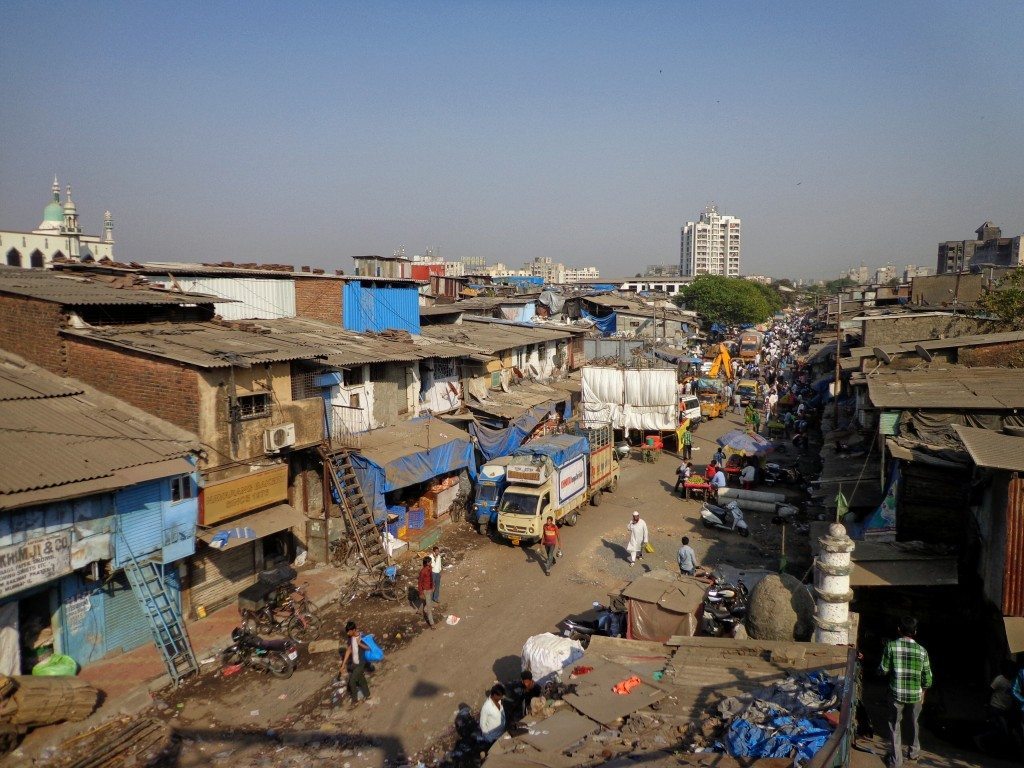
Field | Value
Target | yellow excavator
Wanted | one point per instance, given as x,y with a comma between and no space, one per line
713,403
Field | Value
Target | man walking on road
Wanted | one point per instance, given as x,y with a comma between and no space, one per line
637,538
687,444
353,663
435,573
425,586
552,542
910,675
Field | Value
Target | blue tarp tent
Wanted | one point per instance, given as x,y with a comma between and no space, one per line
559,448
409,453
606,325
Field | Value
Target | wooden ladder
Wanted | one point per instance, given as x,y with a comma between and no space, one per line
358,514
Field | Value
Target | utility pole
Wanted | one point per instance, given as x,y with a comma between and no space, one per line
839,337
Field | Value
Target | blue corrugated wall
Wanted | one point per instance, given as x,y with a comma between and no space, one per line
369,307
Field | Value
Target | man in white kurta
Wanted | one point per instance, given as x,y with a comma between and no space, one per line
637,538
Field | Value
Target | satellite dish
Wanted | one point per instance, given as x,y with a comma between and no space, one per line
923,353
882,355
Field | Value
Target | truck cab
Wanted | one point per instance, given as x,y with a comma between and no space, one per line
490,485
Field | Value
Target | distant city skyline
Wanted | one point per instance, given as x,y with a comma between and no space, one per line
582,133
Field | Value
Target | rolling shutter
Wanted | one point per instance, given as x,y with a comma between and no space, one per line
218,577
126,626
140,521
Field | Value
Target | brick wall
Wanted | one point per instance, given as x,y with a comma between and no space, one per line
31,328
893,330
318,299
162,388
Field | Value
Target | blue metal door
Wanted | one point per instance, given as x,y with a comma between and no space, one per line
83,621
139,520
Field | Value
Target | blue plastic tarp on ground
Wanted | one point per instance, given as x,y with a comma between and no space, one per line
410,459
782,736
559,448
606,325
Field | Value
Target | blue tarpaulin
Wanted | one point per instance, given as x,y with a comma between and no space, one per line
781,736
606,325
495,442
559,448
409,453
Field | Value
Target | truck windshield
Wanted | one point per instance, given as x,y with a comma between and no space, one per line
487,492
518,504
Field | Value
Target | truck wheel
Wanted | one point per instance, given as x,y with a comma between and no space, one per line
572,518
482,528
595,500
614,486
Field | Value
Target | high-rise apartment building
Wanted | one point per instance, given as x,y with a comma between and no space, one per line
711,245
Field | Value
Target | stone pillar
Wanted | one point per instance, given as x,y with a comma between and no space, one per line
832,570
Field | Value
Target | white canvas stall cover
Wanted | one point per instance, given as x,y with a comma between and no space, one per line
642,399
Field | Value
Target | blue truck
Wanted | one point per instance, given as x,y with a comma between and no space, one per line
490,484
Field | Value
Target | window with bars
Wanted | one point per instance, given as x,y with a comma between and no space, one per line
253,406
444,368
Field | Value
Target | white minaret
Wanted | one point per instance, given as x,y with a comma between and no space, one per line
70,228
108,227
832,570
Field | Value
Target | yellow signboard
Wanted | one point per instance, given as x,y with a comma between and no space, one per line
230,498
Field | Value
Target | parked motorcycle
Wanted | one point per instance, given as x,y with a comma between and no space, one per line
773,474
622,450
278,657
727,518
609,622
725,606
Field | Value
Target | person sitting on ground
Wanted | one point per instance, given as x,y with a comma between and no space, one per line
528,691
747,476
492,715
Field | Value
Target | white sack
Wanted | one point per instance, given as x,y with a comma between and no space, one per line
547,654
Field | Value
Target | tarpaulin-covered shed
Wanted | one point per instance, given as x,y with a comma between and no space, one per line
660,605
407,454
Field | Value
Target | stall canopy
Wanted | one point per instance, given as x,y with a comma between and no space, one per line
409,453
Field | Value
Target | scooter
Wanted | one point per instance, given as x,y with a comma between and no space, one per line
727,518
278,657
608,623
622,450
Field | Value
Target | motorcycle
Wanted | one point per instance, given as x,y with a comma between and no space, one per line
609,622
622,450
773,473
725,606
727,518
278,657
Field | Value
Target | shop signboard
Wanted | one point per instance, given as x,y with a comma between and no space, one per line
231,498
35,561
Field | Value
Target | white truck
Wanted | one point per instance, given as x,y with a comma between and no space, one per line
555,476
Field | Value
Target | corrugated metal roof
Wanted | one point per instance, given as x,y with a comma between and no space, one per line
492,336
518,400
204,345
973,340
75,290
992,389
345,348
992,449
72,434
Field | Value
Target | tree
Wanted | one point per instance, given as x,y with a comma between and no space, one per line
832,287
1005,299
729,300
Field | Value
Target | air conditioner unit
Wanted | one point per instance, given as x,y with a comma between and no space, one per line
279,437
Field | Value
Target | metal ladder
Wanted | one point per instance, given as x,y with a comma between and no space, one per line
358,515
147,581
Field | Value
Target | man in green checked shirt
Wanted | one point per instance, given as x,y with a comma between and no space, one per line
910,675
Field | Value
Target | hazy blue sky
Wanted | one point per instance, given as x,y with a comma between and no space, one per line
588,132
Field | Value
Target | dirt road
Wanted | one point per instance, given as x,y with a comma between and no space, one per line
500,595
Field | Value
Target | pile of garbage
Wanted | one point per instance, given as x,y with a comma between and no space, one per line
792,718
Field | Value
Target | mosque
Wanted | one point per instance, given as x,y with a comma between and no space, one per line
59,236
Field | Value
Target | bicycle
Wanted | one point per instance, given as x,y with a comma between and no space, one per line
343,552
382,583
299,626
